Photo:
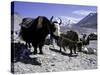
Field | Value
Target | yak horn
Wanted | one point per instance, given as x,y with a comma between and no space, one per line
51,19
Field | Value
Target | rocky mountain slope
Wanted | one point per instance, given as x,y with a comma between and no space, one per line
54,61
90,21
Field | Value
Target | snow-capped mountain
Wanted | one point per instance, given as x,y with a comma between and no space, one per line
68,21
90,21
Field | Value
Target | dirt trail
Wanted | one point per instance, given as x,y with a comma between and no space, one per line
53,61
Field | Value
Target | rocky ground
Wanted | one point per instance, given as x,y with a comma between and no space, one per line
54,61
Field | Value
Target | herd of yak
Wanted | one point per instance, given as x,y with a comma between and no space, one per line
34,33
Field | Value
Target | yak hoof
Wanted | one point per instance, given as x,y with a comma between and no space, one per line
70,54
41,53
60,50
79,50
35,52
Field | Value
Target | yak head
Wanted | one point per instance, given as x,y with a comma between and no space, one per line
55,26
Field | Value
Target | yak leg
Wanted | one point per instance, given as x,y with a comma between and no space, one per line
64,48
35,48
26,45
29,45
75,49
70,48
70,51
80,49
79,45
60,49
40,48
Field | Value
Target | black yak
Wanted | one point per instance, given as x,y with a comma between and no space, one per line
64,42
36,31
70,40
93,36
85,39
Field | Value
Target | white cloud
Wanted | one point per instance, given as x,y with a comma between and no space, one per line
82,12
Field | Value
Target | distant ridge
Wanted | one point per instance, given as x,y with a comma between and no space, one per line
90,21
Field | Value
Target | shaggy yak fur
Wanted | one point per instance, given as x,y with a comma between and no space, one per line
86,41
72,35
36,31
65,42
71,40
83,42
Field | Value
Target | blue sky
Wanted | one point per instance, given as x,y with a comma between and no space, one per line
65,11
